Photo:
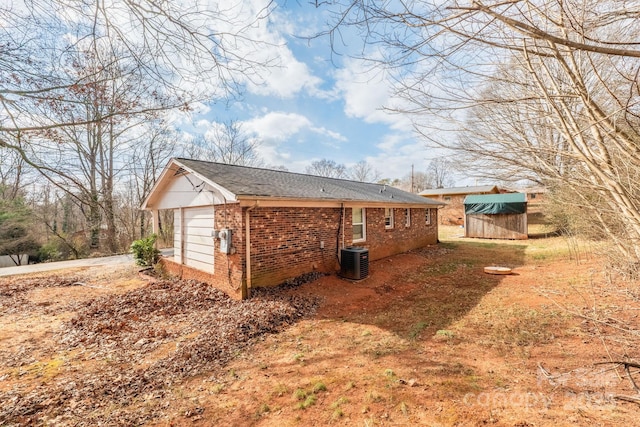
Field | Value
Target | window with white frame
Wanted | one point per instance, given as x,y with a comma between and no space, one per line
388,218
407,218
358,221
427,216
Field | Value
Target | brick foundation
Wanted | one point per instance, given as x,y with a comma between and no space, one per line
232,288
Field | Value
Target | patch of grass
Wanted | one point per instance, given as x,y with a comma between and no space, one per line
389,373
374,397
46,369
384,346
445,333
319,386
441,269
337,413
350,385
299,394
341,401
509,328
217,388
310,400
404,408
280,390
263,409
417,329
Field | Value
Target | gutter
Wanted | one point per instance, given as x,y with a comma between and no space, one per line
246,286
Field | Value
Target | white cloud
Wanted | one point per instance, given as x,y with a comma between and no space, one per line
277,126
366,91
280,126
286,77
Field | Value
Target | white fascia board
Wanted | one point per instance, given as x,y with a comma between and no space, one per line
167,178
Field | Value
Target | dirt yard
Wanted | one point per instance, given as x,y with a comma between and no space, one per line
427,339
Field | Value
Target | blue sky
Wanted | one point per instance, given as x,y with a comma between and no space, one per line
314,105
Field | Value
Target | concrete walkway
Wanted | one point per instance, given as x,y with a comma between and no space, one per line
60,265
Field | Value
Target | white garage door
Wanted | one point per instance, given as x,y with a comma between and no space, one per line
197,226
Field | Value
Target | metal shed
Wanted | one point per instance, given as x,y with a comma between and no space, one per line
496,216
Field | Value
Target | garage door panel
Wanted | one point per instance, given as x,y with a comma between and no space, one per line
200,222
199,231
201,240
198,245
200,248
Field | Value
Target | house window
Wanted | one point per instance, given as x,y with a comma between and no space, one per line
407,218
427,216
447,198
358,222
388,218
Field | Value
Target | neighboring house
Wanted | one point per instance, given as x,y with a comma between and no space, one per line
496,216
238,227
453,198
536,199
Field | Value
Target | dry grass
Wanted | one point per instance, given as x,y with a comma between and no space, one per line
429,339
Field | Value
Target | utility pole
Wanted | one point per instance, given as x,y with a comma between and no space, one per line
412,187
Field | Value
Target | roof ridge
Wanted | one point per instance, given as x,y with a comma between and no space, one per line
280,171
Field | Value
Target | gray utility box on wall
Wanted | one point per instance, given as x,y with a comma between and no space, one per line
355,263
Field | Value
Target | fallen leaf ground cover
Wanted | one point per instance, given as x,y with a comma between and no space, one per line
426,339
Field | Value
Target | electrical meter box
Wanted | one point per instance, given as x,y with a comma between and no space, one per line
225,240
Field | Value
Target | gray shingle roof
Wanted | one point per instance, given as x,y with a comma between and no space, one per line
479,189
247,181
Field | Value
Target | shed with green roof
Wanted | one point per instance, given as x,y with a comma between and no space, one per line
496,216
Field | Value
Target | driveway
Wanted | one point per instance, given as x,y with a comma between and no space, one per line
87,262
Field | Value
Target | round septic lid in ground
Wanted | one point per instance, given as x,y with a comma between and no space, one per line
497,270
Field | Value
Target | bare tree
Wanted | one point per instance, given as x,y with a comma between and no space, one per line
188,51
227,143
545,91
364,172
415,182
146,161
12,174
72,111
439,173
327,168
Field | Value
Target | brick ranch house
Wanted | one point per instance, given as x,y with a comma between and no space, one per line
238,227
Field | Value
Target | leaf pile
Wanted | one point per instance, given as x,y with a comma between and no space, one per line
202,328
12,290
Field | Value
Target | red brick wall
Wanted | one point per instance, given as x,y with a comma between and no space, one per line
229,269
383,242
453,212
232,288
285,242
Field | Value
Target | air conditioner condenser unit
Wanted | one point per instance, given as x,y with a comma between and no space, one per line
355,263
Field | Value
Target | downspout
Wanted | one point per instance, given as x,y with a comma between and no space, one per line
246,287
339,243
343,212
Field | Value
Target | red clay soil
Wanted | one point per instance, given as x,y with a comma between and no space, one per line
426,339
